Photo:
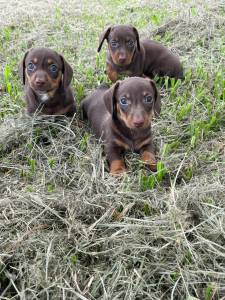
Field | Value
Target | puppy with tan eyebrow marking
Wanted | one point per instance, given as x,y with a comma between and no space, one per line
129,56
47,76
122,116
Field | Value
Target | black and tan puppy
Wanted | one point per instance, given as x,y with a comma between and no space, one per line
132,57
47,76
122,116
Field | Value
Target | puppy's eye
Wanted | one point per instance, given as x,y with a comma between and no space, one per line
114,44
30,67
148,99
123,101
53,68
130,43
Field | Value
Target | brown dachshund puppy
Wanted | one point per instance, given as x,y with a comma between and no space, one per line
47,76
121,116
128,56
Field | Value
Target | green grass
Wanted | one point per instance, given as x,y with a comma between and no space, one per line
68,229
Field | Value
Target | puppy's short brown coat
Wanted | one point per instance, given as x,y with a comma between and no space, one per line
129,56
121,116
47,76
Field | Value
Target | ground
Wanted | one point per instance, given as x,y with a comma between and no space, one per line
69,230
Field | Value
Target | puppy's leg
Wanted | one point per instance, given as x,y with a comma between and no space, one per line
115,159
71,110
32,104
112,74
148,157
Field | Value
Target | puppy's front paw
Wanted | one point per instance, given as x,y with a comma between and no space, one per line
117,167
150,161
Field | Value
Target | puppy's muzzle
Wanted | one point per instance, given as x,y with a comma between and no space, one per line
40,81
122,60
138,121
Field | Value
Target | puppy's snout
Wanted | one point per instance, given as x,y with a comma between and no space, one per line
122,59
138,121
40,79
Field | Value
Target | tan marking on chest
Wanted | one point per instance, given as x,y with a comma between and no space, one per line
121,144
144,143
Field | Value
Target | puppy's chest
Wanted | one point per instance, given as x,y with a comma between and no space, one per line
133,142
124,72
130,70
43,97
135,68
47,96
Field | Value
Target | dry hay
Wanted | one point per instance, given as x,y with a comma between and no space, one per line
71,230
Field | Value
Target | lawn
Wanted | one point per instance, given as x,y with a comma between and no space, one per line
69,230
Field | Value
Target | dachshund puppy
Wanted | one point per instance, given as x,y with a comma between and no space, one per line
129,56
47,76
122,116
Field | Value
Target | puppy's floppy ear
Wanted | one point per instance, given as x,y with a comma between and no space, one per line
67,72
137,38
110,100
22,68
157,103
103,36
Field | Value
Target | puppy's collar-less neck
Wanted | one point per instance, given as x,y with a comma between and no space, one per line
48,95
45,96
133,138
129,133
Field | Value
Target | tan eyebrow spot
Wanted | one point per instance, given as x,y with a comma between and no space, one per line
128,95
35,60
50,61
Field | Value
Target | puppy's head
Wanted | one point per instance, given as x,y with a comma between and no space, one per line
133,101
44,70
122,41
